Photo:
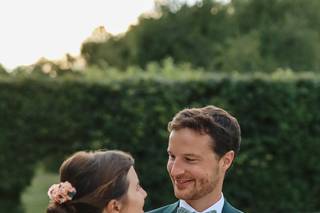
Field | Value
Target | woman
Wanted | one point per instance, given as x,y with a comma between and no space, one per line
97,182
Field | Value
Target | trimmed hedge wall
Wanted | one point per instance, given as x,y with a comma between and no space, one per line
277,169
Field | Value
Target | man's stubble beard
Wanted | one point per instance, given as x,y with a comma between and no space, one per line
198,190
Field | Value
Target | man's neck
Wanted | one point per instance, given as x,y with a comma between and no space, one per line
205,202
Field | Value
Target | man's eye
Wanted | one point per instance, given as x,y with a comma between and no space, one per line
171,157
190,159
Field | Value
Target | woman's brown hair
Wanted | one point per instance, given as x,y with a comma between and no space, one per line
98,177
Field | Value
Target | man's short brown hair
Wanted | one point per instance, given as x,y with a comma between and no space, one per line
223,128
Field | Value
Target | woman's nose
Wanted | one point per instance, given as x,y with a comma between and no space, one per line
144,193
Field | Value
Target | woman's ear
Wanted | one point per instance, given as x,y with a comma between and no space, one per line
113,206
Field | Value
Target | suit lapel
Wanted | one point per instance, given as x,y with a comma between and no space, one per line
172,208
226,207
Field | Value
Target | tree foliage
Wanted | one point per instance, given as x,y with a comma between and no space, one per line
3,71
243,35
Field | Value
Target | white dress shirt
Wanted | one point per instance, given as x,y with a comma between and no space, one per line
216,206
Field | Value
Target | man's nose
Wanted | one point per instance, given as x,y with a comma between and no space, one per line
176,168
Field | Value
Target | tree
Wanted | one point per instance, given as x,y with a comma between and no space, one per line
3,71
288,31
243,35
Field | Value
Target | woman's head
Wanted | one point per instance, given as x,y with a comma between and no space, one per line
101,180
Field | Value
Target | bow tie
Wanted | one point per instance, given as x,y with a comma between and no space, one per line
184,210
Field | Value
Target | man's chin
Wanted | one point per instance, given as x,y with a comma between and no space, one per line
183,195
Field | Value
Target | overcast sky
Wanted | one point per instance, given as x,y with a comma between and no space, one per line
30,29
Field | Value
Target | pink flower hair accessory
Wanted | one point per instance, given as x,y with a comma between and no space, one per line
62,192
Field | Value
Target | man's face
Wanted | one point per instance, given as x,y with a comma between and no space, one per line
195,170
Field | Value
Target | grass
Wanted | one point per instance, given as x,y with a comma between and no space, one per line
35,198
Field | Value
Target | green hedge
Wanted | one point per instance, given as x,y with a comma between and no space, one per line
277,169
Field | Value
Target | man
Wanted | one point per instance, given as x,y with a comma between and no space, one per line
203,143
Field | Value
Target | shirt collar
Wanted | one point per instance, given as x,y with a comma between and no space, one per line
216,206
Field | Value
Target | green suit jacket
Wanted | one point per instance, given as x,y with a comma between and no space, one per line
172,208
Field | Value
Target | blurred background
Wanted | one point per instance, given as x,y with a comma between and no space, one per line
97,75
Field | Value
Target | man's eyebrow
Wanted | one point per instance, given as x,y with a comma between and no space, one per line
188,155
192,155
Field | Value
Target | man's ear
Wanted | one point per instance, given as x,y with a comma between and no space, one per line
113,206
227,160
